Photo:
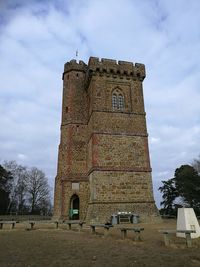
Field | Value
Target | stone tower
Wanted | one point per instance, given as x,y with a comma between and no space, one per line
103,159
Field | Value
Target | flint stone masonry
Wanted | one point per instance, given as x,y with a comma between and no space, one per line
103,150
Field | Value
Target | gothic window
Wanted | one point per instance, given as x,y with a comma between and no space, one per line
120,102
114,101
117,100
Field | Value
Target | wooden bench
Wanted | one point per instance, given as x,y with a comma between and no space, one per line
168,234
79,223
32,223
56,224
137,231
12,223
105,226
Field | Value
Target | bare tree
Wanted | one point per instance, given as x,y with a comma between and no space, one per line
21,190
5,189
38,190
18,187
196,164
29,190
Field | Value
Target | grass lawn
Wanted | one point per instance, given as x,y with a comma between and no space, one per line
47,246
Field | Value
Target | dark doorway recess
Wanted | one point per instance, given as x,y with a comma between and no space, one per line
74,207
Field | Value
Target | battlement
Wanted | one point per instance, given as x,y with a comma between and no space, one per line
110,66
74,65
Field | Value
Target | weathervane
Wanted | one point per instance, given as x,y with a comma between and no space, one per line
77,53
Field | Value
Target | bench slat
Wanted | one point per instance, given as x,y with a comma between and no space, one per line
80,223
167,234
137,231
177,231
7,222
105,226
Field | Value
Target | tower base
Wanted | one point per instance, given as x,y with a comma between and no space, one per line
101,212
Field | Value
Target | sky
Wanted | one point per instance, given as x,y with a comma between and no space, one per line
38,37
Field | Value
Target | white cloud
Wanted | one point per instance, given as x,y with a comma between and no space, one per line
21,157
154,140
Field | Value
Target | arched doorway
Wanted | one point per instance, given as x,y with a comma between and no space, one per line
74,208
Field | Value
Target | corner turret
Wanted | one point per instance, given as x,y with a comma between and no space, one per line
73,65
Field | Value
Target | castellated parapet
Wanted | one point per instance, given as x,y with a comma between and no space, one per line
73,65
103,159
121,68
108,67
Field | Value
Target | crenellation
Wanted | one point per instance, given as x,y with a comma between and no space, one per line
93,60
140,69
108,62
73,65
106,66
125,63
110,67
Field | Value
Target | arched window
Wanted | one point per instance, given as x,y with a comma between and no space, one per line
117,100
114,101
120,102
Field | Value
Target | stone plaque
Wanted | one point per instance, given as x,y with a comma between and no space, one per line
75,186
